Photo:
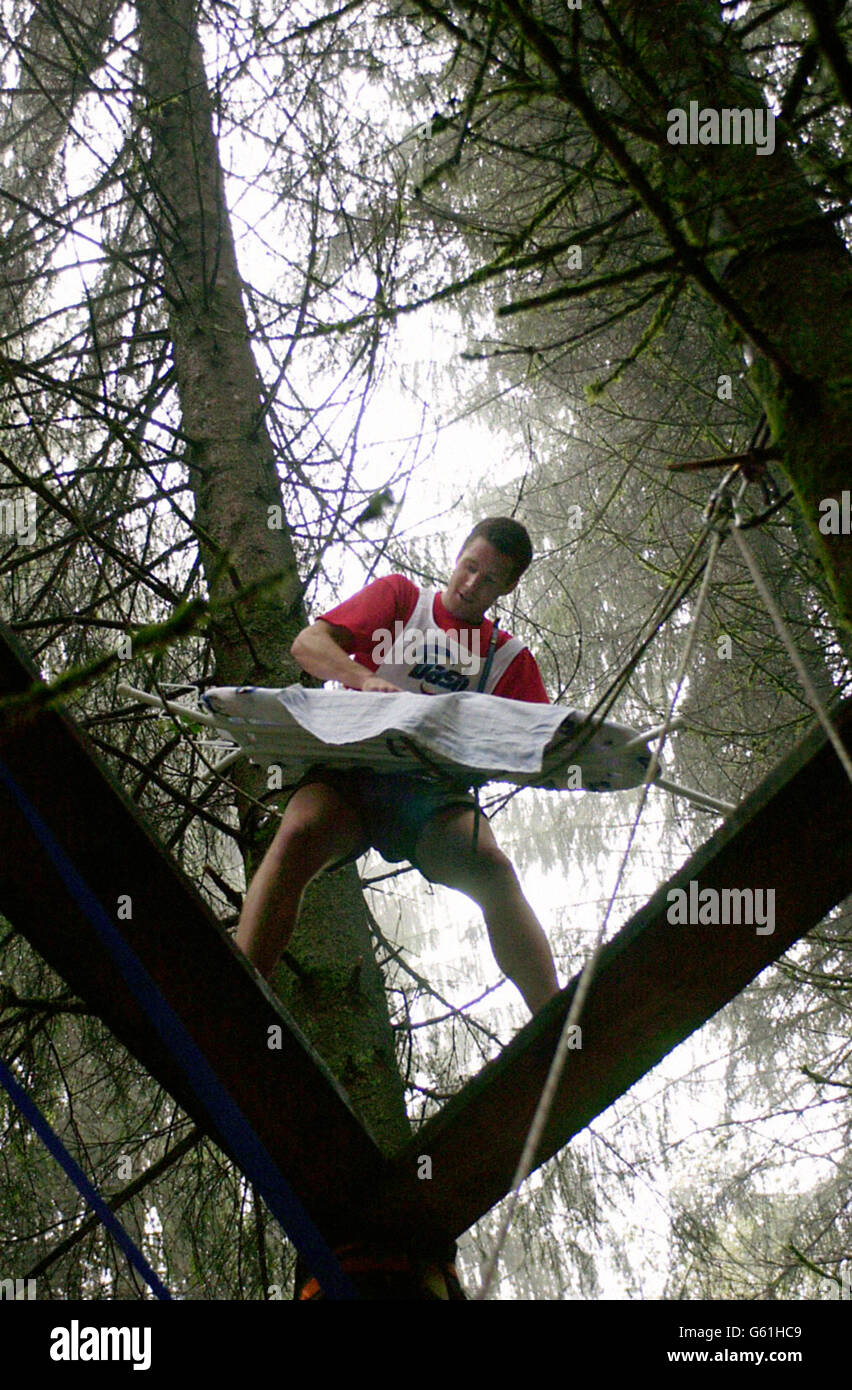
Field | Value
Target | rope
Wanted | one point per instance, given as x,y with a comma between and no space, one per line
90,1194
718,516
251,1155
551,1085
792,651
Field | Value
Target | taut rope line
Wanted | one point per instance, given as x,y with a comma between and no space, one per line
548,1095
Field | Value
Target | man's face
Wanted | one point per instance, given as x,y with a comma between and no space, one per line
481,575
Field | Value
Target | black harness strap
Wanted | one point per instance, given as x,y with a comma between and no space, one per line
489,661
483,677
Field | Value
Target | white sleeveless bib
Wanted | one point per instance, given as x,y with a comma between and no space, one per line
421,657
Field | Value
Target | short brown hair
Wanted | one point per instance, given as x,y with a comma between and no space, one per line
508,536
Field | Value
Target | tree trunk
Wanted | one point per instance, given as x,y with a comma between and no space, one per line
794,279
61,47
338,997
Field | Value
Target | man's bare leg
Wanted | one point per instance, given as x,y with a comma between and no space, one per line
446,855
318,828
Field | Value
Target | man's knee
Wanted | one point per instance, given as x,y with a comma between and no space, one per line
300,833
465,855
494,870
317,828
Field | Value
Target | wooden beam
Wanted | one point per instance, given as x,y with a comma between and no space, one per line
656,984
287,1095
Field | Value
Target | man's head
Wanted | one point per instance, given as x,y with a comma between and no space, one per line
508,537
489,565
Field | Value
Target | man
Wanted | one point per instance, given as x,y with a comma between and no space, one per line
335,815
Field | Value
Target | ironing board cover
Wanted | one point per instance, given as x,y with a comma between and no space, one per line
477,737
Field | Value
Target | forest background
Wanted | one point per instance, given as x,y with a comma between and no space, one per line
290,297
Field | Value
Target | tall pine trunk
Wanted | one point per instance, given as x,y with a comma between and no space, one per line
338,994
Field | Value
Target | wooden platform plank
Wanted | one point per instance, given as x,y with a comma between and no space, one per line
656,984
289,1097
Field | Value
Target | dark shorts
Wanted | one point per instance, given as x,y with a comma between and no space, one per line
394,808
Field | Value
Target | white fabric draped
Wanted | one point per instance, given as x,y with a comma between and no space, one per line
479,738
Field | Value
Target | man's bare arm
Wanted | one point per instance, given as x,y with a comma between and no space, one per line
321,650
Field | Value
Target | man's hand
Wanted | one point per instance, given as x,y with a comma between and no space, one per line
373,683
322,651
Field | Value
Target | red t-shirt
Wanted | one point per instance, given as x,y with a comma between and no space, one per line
393,599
